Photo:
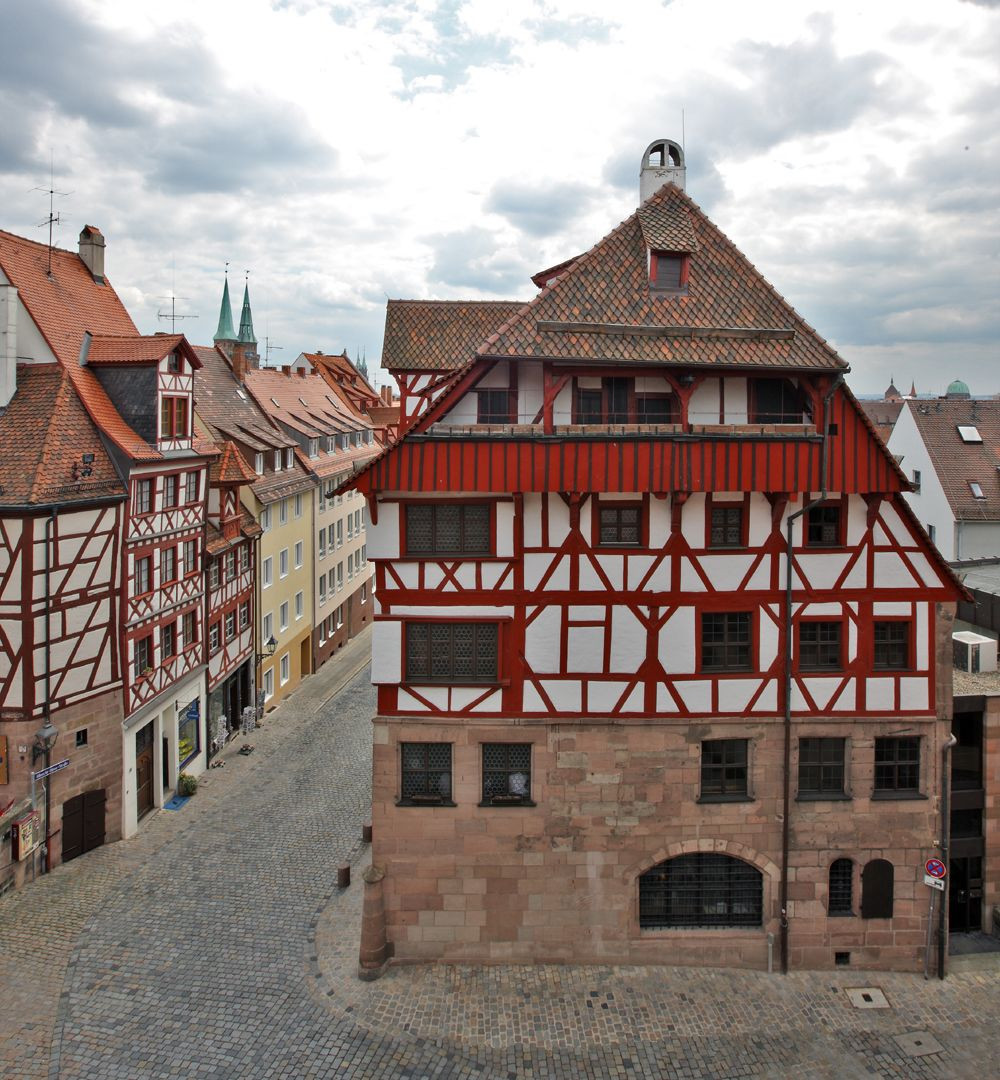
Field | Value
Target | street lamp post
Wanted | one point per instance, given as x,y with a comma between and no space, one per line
45,739
269,647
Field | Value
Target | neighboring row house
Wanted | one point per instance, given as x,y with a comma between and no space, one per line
661,652
104,513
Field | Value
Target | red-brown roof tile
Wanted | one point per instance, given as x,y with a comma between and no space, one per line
45,434
883,415
440,335
138,349
230,468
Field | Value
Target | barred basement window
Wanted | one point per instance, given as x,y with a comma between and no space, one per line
897,766
724,769
821,767
725,641
892,646
425,773
841,898
447,529
451,652
506,773
701,890
621,526
819,646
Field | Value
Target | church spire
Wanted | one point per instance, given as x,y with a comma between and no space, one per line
246,319
225,331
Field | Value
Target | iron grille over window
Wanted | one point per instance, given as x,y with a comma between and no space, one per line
451,652
506,773
725,641
819,646
724,768
701,890
727,526
426,772
621,525
841,899
823,526
892,646
897,764
448,529
821,766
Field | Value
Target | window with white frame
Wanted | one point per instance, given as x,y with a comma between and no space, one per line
340,533
267,572
286,669
277,461
357,522
268,683
338,616
331,537
350,526
289,457
363,555
322,588
283,512
350,566
299,605
322,501
267,627
230,625
298,506
362,518
265,519
283,616
191,487
364,593
244,614
283,562
258,463
314,448
298,554
245,557
340,576
321,537
332,578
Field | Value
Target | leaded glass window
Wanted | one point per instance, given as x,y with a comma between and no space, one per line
425,772
506,773
448,529
451,652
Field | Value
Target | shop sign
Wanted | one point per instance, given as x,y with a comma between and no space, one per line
26,835
11,810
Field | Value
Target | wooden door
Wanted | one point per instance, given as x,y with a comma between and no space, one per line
82,824
144,770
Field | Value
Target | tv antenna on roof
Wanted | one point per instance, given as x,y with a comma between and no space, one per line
172,313
53,218
268,348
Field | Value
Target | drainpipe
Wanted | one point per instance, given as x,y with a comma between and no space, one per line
950,742
787,750
46,707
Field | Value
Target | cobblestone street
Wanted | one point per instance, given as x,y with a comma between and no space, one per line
216,945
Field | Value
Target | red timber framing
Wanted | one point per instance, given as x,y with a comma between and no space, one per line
418,391
76,613
233,597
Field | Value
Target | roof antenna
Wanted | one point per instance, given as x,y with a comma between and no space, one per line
172,313
53,218
268,347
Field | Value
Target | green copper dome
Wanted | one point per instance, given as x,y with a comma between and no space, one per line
957,389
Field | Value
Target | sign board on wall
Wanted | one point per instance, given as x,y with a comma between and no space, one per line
26,835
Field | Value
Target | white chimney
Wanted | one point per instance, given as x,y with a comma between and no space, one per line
662,163
92,251
8,344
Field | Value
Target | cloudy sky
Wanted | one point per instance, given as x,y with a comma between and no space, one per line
348,152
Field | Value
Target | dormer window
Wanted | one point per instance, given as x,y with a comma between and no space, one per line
314,448
277,461
668,271
174,363
258,464
289,457
329,444
173,418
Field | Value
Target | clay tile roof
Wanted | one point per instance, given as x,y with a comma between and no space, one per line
138,349
957,462
550,273
602,308
666,226
66,303
883,415
382,415
440,335
230,468
45,433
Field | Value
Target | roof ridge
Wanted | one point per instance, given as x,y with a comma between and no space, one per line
38,243
400,300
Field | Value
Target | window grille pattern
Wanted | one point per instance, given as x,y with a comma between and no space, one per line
495,407
727,526
819,646
724,768
823,526
506,772
426,772
897,764
451,652
589,407
821,766
892,646
841,898
656,409
447,529
725,641
621,526
704,889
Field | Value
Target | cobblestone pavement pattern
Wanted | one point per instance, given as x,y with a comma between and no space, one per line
216,945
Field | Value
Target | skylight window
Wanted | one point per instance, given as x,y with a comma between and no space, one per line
976,490
275,404
240,393
969,433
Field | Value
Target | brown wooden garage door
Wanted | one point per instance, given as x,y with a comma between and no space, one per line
83,824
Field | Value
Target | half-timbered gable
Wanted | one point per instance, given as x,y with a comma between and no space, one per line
647,589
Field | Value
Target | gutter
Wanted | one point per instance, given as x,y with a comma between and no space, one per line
787,749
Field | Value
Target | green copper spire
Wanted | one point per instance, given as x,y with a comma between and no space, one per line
225,331
246,319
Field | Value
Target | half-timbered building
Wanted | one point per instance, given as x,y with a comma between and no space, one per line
660,649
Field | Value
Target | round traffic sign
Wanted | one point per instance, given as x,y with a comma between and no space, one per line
935,868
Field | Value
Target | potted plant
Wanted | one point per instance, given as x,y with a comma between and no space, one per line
187,784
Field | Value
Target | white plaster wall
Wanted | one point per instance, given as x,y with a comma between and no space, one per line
529,390
891,572
585,648
693,520
559,519
533,519
541,641
387,652
736,401
703,407
383,538
676,645
976,539
628,640
505,528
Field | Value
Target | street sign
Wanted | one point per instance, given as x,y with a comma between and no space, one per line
934,882
935,868
42,773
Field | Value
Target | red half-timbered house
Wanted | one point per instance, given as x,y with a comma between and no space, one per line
661,653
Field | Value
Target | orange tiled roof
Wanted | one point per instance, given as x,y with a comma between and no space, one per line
45,434
606,292
230,468
66,303
440,335
883,415
138,349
